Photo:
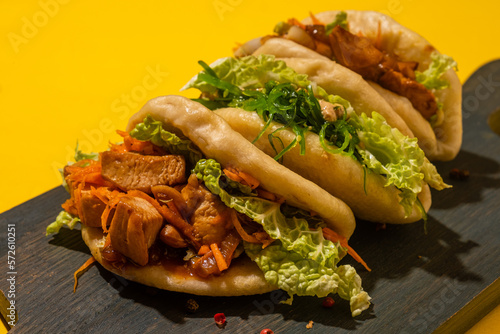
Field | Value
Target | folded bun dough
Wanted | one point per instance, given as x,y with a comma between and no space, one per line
215,138
243,277
443,141
340,175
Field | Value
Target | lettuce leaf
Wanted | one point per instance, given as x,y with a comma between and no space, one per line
301,261
249,72
292,101
388,152
303,277
430,78
63,219
151,130
254,72
340,20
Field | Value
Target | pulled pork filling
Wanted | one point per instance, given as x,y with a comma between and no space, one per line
150,211
361,55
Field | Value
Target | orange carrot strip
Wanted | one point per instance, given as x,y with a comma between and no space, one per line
266,194
296,22
249,179
264,238
334,237
82,270
219,258
241,177
244,235
132,144
203,250
315,19
232,174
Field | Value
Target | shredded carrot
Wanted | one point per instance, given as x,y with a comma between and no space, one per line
232,174
334,237
250,180
266,194
82,270
219,258
241,177
315,19
264,238
110,198
244,235
131,144
108,241
69,206
269,196
203,250
296,22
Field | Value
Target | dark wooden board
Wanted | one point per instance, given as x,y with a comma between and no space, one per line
418,280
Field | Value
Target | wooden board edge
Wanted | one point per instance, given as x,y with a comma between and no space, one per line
476,309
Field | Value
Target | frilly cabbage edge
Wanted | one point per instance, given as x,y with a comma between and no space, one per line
300,261
383,150
388,152
431,77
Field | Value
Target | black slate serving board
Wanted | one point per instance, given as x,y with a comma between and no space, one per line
419,281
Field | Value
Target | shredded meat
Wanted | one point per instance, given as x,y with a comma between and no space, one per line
134,228
208,215
360,55
420,97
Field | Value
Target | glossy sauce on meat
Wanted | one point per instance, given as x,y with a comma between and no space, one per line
128,170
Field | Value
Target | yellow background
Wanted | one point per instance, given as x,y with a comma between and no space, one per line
76,70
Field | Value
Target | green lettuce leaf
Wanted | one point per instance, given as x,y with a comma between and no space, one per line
431,77
388,152
340,20
254,72
79,155
301,261
249,72
303,277
292,101
151,130
63,219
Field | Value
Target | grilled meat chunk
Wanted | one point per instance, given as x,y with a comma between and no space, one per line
361,56
135,171
134,228
208,215
91,209
169,235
